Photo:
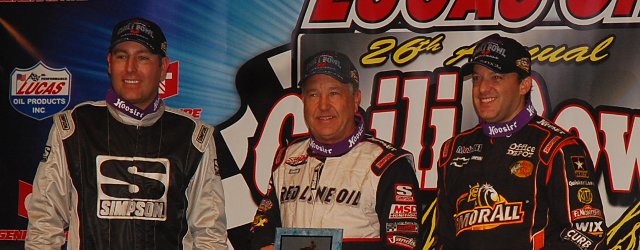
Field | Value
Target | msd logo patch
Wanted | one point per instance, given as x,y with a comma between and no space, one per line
40,91
132,187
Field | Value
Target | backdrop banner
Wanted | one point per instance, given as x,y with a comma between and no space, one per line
235,65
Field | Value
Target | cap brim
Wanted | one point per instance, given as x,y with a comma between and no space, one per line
131,39
329,73
467,68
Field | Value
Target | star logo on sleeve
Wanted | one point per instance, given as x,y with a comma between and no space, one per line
579,168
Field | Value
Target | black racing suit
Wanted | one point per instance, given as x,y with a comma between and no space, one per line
533,189
370,192
115,182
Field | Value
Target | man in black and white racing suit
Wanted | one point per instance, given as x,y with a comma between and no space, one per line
129,172
516,180
339,177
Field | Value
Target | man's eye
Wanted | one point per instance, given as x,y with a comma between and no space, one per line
475,79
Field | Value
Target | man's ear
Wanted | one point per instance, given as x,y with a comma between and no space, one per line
109,63
165,67
357,96
525,85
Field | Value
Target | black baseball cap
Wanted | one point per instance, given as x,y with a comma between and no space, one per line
500,54
331,63
142,31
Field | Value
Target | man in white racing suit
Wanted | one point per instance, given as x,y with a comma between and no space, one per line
129,172
339,177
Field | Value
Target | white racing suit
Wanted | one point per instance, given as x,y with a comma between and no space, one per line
115,182
370,192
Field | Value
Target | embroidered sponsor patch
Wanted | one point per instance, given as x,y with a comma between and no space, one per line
402,227
590,227
577,238
522,169
521,149
581,183
469,149
579,167
403,211
585,195
483,208
586,212
550,144
132,188
459,162
258,221
404,193
401,241
384,160
297,160
202,133
47,152
265,205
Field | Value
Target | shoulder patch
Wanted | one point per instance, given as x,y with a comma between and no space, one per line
64,121
551,144
201,134
389,155
281,153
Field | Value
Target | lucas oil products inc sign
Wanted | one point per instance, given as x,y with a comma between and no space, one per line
40,91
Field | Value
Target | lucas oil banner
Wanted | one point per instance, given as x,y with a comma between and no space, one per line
235,65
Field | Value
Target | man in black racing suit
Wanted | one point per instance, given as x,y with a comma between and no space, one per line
129,172
339,177
516,180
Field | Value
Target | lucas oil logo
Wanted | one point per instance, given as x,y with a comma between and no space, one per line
132,188
40,91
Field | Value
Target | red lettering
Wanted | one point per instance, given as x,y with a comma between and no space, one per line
398,209
6,234
482,8
624,8
58,88
197,113
331,11
25,88
375,11
582,10
425,11
518,10
40,88
405,209
194,112
48,88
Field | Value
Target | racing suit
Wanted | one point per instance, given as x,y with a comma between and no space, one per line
531,189
370,192
115,182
